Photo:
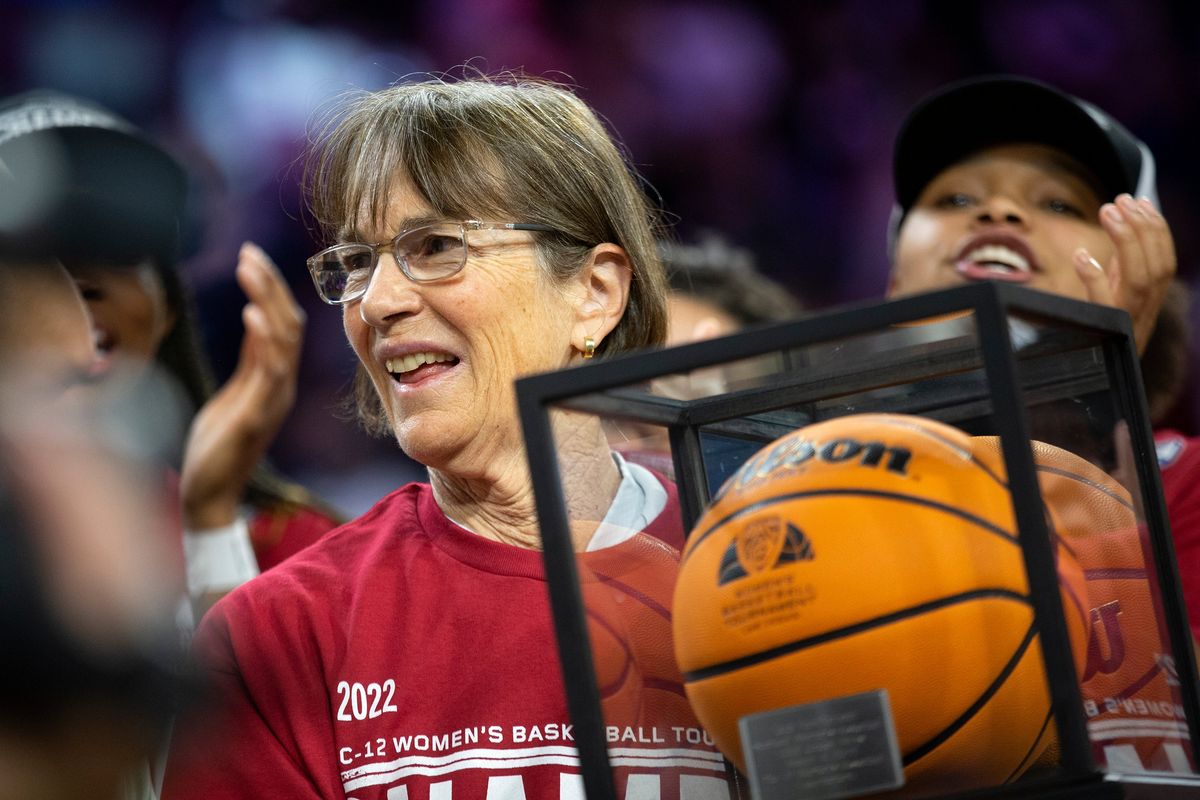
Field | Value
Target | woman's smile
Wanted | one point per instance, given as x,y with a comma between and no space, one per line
414,366
996,255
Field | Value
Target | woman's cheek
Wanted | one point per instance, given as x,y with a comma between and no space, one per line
920,239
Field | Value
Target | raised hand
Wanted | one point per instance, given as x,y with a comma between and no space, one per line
232,432
1141,268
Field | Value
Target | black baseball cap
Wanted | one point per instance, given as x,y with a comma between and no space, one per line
965,117
78,182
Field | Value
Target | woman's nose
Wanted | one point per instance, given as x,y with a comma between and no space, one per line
389,294
999,208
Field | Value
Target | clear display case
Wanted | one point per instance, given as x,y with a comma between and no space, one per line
909,549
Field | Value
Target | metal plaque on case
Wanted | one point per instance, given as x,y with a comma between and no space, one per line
844,747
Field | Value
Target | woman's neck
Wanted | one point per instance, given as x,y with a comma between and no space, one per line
497,503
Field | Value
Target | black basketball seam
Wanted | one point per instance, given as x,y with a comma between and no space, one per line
850,630
1135,687
965,717
1087,482
1115,574
643,598
1022,765
663,685
937,437
696,539
620,680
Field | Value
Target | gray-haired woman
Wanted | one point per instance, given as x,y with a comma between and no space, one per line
483,230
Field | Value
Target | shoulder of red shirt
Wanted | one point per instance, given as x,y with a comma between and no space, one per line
1175,450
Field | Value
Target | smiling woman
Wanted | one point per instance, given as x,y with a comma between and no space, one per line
1055,194
1015,213
478,231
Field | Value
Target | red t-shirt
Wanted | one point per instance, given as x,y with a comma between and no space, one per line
403,656
1179,464
276,535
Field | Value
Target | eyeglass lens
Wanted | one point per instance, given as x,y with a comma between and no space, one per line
425,254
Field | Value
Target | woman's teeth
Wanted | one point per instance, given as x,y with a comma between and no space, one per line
403,364
997,256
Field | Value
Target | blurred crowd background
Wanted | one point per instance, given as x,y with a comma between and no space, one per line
771,122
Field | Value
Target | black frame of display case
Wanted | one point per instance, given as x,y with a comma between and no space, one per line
991,304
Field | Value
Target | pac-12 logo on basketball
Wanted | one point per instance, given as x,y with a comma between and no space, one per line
764,543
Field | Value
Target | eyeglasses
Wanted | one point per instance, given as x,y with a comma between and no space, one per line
428,253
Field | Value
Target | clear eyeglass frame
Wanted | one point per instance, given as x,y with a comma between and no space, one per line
342,272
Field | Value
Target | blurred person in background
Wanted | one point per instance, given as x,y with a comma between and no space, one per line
87,600
715,289
1007,179
111,204
481,230
43,321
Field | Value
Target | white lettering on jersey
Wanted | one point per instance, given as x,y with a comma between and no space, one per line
506,787
442,790
512,759
643,787
1125,758
570,786
702,787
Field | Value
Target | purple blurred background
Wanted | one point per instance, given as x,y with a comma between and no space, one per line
771,121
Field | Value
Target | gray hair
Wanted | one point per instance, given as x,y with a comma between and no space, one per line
505,147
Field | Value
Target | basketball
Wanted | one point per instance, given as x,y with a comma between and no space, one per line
1130,688
627,598
873,551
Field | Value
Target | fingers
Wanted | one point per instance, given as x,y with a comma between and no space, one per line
1155,235
1145,258
261,391
235,427
273,361
274,321
1096,281
1143,243
266,288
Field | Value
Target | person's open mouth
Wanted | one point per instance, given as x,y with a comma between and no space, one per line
996,257
415,367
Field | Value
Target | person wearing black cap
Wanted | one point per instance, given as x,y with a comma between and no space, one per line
1008,179
86,187
1090,182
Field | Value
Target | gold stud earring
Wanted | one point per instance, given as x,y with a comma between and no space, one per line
589,347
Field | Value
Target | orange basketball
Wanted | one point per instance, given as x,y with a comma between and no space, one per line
627,598
872,551
1130,688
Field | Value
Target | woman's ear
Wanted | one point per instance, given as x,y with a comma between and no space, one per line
603,285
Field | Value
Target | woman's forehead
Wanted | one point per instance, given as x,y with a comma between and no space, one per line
380,211
1051,161
389,208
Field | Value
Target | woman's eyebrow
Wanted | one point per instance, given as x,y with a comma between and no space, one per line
1065,165
354,234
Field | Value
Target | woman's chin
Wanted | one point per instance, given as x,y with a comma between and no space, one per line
426,442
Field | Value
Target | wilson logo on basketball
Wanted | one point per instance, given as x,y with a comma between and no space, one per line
790,453
765,543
